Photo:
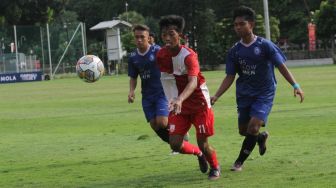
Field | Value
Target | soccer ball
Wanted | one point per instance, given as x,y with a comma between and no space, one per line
90,68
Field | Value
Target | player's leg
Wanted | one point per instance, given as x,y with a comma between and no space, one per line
204,124
261,109
258,112
243,121
211,157
178,127
248,143
157,122
160,125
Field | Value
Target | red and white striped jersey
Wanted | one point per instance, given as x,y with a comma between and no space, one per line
175,69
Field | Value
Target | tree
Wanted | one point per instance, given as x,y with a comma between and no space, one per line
31,12
274,27
127,38
203,35
325,23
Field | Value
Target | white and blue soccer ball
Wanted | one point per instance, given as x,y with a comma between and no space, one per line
90,68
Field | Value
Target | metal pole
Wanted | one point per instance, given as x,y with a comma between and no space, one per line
267,26
119,51
50,65
42,49
126,5
83,38
16,50
66,49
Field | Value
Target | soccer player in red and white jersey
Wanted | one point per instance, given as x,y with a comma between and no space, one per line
188,95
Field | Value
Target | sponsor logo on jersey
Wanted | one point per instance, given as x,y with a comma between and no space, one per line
257,50
151,57
171,128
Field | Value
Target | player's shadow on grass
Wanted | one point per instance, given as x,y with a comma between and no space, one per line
167,179
58,164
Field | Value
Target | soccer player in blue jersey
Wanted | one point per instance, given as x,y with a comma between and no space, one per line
253,58
152,39
142,63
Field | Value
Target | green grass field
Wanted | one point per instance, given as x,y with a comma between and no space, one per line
67,133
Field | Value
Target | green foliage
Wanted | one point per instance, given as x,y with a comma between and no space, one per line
203,18
274,27
132,17
153,24
2,20
325,19
224,37
30,12
259,28
127,38
204,21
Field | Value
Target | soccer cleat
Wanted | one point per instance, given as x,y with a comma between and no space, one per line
214,173
237,167
262,143
174,152
203,164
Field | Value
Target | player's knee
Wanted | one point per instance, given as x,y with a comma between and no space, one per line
161,122
161,125
253,130
242,132
254,126
163,134
175,146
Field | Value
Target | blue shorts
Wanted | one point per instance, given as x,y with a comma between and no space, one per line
254,107
154,106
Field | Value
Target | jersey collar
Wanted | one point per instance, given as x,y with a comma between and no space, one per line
247,45
143,54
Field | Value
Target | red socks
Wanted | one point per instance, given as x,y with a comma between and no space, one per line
188,148
212,160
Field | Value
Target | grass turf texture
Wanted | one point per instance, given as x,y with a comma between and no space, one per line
67,133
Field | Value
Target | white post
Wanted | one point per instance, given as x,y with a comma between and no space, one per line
83,38
66,49
50,65
266,16
16,50
119,51
126,5
42,50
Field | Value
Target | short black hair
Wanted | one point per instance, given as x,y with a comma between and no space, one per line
244,11
141,27
152,34
172,20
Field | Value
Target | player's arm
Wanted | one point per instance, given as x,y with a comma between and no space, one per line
193,69
133,75
229,78
290,79
225,85
176,104
132,86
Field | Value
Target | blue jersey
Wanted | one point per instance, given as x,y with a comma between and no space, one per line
145,66
254,64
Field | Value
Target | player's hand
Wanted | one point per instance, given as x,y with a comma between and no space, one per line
213,99
131,97
175,105
299,92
